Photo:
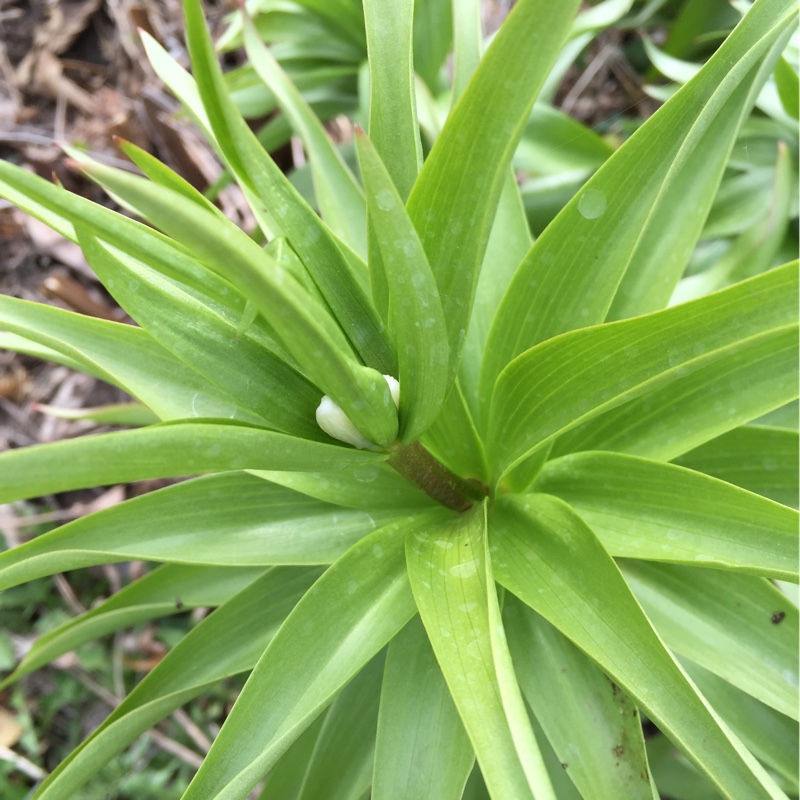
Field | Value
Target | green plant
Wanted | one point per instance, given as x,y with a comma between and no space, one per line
520,499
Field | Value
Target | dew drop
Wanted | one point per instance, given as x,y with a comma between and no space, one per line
592,204
385,200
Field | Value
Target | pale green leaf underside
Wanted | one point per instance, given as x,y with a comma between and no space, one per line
447,569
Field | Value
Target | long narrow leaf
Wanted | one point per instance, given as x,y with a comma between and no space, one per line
339,196
418,724
559,286
393,123
125,356
759,459
340,768
644,509
747,380
343,289
225,643
167,450
208,342
593,726
303,325
566,380
415,318
741,628
233,519
455,197
547,556
167,590
448,572
317,651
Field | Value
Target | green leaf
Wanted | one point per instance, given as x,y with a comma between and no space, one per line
455,197
509,241
168,450
134,414
467,44
557,384
746,379
225,643
742,628
233,519
366,487
393,125
456,597
454,439
125,356
322,644
342,287
788,87
20,344
593,727
418,724
756,249
759,459
167,590
285,779
546,555
433,37
340,768
62,210
160,173
204,337
572,274
644,509
303,325
415,320
770,736
339,196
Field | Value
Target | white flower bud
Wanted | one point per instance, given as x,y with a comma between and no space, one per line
336,423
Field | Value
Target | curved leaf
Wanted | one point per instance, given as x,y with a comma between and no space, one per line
415,318
454,200
759,459
660,512
339,196
168,450
546,555
571,275
322,644
573,377
745,380
125,356
742,628
167,590
232,519
225,643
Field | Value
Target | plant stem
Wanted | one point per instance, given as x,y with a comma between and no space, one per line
419,467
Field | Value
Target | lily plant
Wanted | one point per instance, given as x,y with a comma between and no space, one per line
471,507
